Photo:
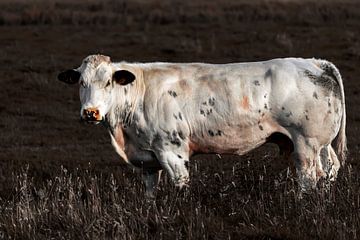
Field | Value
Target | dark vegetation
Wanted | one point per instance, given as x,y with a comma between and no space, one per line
60,179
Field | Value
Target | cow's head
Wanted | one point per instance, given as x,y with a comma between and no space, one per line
97,79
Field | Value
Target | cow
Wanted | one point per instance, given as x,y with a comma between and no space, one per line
160,114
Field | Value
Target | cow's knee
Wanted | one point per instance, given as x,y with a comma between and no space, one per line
175,165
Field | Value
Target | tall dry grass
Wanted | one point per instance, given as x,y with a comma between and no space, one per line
81,204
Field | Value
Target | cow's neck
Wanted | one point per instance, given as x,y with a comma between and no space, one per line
127,101
122,112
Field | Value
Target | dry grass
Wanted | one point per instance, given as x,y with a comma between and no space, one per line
81,204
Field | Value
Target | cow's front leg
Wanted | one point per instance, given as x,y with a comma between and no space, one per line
151,180
175,165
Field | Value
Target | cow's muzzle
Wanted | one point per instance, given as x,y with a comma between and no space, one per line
91,115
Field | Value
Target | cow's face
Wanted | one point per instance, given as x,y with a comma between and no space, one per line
97,79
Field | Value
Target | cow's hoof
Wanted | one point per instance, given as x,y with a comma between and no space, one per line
307,184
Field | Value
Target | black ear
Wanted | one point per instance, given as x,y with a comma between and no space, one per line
123,77
69,76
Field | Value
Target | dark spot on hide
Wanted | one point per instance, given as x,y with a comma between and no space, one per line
261,127
256,83
219,133
289,114
208,111
211,133
327,79
172,93
329,103
179,156
174,139
307,117
265,106
206,77
283,108
268,74
175,142
212,101
202,112
181,135
265,95
315,95
204,103
179,116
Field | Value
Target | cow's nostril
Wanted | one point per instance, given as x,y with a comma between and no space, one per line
91,114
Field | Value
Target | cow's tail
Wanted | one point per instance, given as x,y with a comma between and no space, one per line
340,140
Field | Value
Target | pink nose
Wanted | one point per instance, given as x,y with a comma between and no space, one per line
91,114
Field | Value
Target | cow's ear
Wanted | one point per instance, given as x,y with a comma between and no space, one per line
69,76
123,77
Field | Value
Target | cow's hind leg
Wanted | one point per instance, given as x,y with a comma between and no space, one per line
330,162
306,156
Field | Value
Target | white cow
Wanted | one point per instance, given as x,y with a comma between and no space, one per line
160,114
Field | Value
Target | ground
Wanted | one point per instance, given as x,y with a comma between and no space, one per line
61,179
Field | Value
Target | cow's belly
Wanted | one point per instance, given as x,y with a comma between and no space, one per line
235,140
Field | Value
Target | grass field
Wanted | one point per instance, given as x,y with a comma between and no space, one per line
60,179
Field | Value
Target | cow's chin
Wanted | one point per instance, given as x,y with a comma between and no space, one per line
93,122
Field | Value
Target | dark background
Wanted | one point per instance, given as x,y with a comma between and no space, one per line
253,196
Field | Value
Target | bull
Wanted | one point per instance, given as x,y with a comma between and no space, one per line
160,114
